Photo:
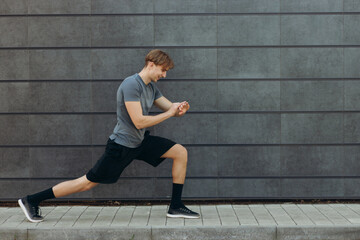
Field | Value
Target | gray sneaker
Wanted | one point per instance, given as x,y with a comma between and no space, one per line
32,212
182,212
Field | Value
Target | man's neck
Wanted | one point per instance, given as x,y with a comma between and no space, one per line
144,76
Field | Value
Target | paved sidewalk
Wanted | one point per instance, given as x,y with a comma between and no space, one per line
225,222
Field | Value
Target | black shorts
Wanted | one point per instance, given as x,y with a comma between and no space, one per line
117,157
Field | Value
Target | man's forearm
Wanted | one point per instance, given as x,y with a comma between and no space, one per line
149,121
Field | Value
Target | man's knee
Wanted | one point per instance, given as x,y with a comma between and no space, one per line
180,153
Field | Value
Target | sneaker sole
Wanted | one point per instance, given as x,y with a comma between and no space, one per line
181,216
23,208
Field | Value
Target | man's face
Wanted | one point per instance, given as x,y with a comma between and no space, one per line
157,72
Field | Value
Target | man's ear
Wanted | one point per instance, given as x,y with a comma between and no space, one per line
151,64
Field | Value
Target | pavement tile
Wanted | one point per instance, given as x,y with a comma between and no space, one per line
105,217
7,213
262,215
347,212
332,214
88,217
279,214
315,215
297,215
158,215
245,215
140,217
227,215
194,222
70,217
123,216
175,222
210,215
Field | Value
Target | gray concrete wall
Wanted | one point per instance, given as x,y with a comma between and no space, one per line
273,87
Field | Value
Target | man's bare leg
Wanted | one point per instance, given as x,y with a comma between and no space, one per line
80,184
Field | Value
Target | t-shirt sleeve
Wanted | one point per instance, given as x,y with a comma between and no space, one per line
131,91
158,94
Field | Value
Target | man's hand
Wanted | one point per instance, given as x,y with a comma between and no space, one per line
183,108
174,109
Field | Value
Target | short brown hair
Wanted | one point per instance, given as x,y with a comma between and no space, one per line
159,58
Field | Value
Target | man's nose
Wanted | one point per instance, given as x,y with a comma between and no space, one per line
164,75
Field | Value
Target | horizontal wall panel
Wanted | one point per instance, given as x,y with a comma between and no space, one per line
249,95
102,127
351,160
249,161
249,188
351,59
60,97
350,190
352,96
249,6
312,95
179,30
312,128
14,65
185,6
14,162
14,97
14,130
122,31
104,96
59,31
352,127
11,7
351,22
312,6
248,63
65,162
116,63
193,63
248,128
248,30
312,62
59,7
13,31
61,64
189,129
14,189
351,6
121,6
59,129
307,161
312,29
202,97
312,188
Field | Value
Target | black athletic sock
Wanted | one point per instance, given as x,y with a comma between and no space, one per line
176,196
41,196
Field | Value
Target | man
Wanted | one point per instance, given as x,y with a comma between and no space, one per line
129,140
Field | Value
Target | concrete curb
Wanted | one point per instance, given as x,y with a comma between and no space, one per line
181,233
345,232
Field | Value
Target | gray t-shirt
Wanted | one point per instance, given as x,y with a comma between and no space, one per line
134,89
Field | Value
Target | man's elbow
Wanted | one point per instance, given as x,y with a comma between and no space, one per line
139,124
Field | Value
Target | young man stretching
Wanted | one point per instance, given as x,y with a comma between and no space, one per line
130,141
